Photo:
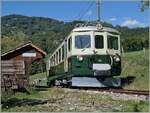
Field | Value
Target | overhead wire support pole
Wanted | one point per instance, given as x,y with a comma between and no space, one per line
98,10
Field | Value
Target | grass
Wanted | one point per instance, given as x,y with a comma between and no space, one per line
39,76
63,100
136,64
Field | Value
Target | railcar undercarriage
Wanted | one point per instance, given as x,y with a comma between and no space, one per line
96,82
89,82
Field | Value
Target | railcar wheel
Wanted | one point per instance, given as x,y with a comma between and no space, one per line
102,79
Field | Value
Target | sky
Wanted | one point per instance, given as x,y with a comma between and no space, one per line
123,13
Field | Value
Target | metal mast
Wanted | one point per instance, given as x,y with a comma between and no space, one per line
98,10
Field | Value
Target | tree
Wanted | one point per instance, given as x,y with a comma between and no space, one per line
145,4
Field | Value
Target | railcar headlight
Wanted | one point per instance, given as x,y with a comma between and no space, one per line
116,58
80,58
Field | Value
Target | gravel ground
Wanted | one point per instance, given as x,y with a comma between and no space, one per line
74,100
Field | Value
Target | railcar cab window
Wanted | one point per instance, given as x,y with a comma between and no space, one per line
112,42
82,41
99,43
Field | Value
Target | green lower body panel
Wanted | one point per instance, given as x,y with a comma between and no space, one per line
87,70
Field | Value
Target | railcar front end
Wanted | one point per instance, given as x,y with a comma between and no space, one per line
95,59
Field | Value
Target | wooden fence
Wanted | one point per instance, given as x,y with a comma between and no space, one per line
13,75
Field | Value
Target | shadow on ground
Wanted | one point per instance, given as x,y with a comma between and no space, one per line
127,80
41,88
22,102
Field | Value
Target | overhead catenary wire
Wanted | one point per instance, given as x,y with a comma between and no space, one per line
82,13
79,14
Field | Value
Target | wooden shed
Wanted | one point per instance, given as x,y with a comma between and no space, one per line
16,63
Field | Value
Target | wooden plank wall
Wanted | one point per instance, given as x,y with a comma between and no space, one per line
13,75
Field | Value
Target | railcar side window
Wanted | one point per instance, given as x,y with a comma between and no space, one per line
51,62
69,44
57,58
54,60
63,52
82,41
65,49
99,43
112,42
59,55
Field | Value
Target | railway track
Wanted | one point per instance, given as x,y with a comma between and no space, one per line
125,91
118,90
111,90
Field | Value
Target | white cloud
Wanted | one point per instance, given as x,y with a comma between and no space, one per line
113,19
132,23
88,13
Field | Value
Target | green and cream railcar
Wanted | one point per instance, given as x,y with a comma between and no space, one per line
89,56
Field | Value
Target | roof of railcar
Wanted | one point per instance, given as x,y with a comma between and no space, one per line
94,28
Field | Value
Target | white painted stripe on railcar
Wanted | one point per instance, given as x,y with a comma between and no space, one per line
101,67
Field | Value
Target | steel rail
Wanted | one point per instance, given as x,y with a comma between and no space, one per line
117,90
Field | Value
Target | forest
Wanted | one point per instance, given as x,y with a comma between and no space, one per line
48,33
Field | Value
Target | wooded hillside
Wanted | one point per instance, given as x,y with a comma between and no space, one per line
48,33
